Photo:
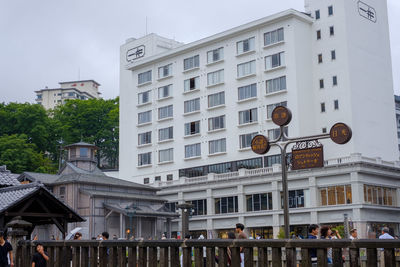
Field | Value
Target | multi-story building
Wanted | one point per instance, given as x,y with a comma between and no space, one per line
50,98
397,104
189,112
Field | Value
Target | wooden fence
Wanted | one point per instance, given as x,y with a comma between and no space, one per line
165,253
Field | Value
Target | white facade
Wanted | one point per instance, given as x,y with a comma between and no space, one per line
351,78
50,98
397,104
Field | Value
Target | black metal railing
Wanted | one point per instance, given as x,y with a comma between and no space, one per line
173,253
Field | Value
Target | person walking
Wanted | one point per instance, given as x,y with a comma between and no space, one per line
353,234
5,249
385,235
326,233
40,258
241,235
313,230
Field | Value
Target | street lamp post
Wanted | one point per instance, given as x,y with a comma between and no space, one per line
340,133
185,209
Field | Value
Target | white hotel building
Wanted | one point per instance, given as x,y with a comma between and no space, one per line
189,111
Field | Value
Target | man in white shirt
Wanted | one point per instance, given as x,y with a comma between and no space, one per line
353,234
385,235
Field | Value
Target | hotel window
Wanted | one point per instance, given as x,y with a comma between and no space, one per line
215,55
144,138
144,97
249,163
379,195
324,130
171,206
273,37
165,112
275,85
191,62
170,177
246,68
193,150
144,117
217,146
322,107
144,159
320,58
331,31
248,91
146,180
216,99
248,116
317,14
318,34
144,77
165,71
321,83
192,128
274,133
330,10
165,134
157,179
271,107
245,45
199,207
216,123
274,61
335,195
215,77
336,104
226,205
165,91
297,199
259,202
191,84
334,80
333,54
245,140
166,155
192,105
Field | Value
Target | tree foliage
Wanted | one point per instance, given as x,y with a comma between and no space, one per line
19,155
28,129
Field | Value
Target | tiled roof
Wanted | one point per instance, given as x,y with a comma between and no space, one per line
38,177
10,195
141,210
7,178
123,195
96,170
100,179
81,144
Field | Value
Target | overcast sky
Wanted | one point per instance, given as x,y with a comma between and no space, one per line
43,42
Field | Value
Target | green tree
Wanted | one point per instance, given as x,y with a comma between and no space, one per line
19,155
94,121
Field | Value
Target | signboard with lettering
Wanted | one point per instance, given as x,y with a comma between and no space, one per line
307,155
366,11
135,53
281,116
260,144
340,133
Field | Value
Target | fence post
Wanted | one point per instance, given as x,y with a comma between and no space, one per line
248,257
322,258
132,256
164,259
263,256
198,257
235,256
187,256
113,261
142,256
354,257
84,256
210,257
103,256
93,251
291,260
174,256
337,258
222,256
152,256
305,257
389,257
76,256
277,257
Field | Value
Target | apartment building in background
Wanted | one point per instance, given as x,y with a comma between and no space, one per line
188,113
50,98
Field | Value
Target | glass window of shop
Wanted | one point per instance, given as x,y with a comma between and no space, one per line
378,195
336,195
263,232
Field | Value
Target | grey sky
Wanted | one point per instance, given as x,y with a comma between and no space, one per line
44,42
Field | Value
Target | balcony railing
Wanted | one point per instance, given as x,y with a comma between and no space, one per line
276,168
164,253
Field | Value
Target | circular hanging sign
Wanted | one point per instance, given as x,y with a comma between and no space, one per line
260,144
281,116
340,133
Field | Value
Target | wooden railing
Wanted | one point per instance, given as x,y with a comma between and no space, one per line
165,253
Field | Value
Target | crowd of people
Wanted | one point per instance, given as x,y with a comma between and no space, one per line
41,257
